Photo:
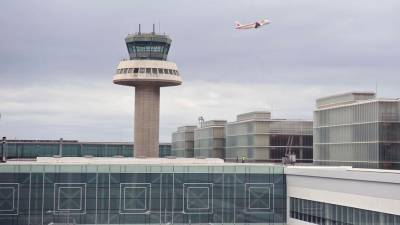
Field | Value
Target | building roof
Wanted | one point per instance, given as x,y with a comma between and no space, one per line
212,123
344,98
187,128
254,115
345,172
356,102
27,141
117,160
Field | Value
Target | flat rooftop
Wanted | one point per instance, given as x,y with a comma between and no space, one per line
116,161
340,172
135,165
345,172
130,161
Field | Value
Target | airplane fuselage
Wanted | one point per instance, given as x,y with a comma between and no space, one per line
255,25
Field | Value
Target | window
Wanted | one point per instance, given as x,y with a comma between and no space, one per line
135,70
142,70
169,71
154,70
165,71
125,70
130,70
140,49
160,71
148,70
325,213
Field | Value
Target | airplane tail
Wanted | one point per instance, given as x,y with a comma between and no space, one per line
237,24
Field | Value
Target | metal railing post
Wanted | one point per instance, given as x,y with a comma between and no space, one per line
4,148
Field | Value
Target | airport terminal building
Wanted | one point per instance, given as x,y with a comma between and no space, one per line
28,149
103,190
357,129
78,190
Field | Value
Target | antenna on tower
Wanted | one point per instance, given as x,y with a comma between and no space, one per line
139,29
154,28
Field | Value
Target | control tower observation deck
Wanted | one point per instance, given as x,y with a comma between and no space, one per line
147,70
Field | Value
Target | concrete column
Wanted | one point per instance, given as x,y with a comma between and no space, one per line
147,119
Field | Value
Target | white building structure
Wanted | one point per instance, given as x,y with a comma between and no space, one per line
357,129
342,195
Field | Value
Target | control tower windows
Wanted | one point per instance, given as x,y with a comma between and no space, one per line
138,48
148,71
157,48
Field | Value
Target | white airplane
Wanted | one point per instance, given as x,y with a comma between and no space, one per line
257,24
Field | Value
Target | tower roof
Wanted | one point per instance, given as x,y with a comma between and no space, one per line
148,46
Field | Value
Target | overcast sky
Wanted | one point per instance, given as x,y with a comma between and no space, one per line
57,59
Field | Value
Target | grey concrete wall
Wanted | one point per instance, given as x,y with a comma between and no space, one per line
147,119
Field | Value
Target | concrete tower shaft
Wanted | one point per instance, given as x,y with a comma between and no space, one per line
147,70
147,119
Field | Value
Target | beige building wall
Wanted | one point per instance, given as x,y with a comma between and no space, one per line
209,140
257,137
183,142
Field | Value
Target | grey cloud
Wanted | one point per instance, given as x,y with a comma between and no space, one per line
69,49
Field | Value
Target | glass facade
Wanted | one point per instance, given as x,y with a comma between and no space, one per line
209,140
141,194
183,142
33,149
148,46
268,139
366,134
330,214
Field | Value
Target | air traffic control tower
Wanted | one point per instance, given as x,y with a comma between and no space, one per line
147,70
